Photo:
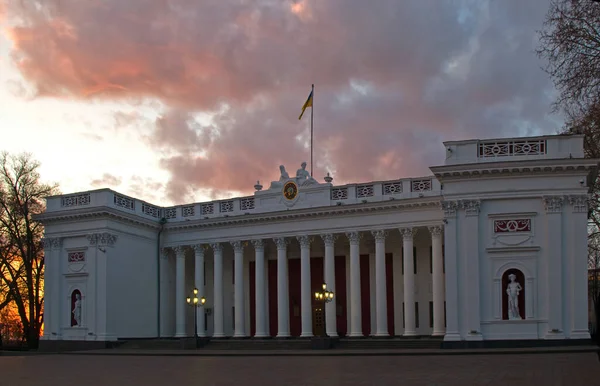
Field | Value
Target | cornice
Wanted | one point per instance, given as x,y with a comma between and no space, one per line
513,168
93,213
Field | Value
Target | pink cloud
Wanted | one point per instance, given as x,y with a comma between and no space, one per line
251,65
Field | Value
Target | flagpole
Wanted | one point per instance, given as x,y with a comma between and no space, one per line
312,109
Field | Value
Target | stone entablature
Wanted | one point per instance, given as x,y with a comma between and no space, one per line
264,201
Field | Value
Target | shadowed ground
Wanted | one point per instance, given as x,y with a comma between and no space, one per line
507,370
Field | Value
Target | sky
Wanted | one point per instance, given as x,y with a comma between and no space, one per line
175,101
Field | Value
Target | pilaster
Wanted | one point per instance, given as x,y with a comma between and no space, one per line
470,266
453,303
103,243
553,206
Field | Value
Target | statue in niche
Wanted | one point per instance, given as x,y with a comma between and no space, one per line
512,290
303,177
76,309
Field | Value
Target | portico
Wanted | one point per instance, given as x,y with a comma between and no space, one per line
365,268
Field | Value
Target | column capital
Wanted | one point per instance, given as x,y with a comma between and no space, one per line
258,244
379,235
408,233
449,208
304,241
199,248
179,251
579,203
354,237
436,230
471,207
217,247
553,204
281,242
329,239
164,253
52,242
104,239
238,246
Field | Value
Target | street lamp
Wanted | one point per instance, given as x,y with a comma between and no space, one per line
324,296
195,302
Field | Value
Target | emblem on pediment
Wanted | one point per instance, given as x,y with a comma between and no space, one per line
290,190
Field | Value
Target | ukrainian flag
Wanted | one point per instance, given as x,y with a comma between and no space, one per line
308,103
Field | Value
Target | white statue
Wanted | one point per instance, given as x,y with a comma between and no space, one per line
303,177
512,290
77,310
282,178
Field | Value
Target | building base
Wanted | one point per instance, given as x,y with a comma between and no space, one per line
524,343
75,345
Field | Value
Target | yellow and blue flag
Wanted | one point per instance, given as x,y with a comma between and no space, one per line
308,103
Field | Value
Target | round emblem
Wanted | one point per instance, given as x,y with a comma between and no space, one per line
290,190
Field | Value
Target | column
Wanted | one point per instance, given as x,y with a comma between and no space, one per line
240,322
259,277
554,245
437,280
355,306
283,293
453,305
180,302
103,243
409,281
470,236
305,290
165,315
380,283
329,275
199,283
218,291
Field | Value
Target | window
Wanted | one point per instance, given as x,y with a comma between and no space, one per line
416,314
431,314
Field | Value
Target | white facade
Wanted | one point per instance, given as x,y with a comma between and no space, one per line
494,208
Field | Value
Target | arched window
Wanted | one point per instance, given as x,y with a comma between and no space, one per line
513,294
76,308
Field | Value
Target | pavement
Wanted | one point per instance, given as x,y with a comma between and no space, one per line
547,368
338,352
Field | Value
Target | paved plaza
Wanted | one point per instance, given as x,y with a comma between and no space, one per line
572,369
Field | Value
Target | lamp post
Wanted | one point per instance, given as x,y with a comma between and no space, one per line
195,302
325,296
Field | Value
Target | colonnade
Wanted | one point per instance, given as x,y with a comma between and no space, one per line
283,324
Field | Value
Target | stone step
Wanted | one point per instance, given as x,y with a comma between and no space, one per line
151,344
258,344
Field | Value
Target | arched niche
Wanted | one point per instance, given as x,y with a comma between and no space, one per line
75,309
519,286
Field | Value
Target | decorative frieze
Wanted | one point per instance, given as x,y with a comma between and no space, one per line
329,239
76,200
247,203
150,210
124,202
364,191
392,188
579,203
102,239
188,211
76,257
226,206
207,208
449,208
422,185
339,194
471,207
170,213
511,148
512,225
553,204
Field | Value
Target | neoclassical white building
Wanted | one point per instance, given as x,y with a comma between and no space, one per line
491,246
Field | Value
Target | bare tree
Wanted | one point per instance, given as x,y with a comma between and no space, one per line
21,255
570,44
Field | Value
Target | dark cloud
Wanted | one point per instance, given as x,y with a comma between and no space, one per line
393,79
